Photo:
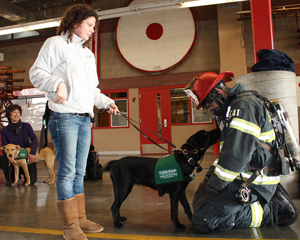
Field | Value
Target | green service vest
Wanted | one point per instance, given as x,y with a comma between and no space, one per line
23,154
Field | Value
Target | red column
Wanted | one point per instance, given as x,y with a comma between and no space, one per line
262,28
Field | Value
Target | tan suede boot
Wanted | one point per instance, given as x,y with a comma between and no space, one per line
86,225
69,218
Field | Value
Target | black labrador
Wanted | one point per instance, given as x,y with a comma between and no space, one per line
141,170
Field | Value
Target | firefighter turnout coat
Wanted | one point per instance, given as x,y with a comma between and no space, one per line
247,123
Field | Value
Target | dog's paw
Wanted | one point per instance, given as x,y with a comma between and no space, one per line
180,226
14,184
50,183
118,225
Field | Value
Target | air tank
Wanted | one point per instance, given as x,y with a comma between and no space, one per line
290,136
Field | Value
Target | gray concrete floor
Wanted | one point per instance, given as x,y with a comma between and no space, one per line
31,212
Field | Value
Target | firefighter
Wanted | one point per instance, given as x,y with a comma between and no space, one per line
220,202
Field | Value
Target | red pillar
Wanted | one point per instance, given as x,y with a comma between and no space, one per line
262,28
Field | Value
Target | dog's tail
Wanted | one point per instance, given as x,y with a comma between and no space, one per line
109,165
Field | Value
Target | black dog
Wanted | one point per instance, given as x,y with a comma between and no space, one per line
141,170
93,167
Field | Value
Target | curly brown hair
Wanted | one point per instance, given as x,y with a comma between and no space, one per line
12,108
73,17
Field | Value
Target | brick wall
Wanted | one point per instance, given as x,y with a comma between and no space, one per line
285,39
203,56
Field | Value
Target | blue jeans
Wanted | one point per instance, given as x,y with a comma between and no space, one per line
71,136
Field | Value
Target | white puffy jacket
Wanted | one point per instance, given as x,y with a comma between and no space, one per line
60,61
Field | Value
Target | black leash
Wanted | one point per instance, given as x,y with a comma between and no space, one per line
158,135
185,152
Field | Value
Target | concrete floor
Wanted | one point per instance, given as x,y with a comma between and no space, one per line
31,212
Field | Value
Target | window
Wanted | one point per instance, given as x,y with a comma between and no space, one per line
33,109
103,119
120,121
181,107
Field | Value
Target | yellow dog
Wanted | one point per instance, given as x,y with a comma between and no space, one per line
46,154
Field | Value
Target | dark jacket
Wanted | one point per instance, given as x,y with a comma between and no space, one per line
273,60
247,122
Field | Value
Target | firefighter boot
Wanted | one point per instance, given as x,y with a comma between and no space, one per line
86,225
287,211
203,194
69,218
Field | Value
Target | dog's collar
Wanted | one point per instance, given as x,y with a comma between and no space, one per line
195,151
190,160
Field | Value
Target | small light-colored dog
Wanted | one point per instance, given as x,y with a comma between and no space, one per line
46,154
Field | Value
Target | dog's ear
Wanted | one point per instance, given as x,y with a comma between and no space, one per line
18,147
214,136
2,148
199,138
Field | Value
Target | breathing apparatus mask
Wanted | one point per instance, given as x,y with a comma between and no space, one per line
214,102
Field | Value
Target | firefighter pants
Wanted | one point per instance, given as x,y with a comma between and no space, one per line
223,212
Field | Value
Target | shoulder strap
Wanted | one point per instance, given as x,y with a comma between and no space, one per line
23,131
266,146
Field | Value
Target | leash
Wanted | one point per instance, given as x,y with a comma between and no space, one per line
158,135
191,161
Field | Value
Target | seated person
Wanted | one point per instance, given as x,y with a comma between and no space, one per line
22,134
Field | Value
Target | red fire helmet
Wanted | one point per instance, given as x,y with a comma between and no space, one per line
205,82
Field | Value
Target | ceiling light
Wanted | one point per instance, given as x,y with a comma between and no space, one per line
11,30
117,12
43,25
138,9
29,26
197,3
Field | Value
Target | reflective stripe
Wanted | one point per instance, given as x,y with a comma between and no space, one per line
267,136
224,174
245,126
221,146
215,162
256,233
261,179
257,214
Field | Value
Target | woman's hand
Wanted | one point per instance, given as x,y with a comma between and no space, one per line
32,158
113,109
61,93
11,160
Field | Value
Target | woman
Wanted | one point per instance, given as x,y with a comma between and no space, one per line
65,69
19,133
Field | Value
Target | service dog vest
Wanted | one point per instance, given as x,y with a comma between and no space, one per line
23,154
167,170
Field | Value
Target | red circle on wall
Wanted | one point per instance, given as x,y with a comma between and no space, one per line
154,31
156,42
